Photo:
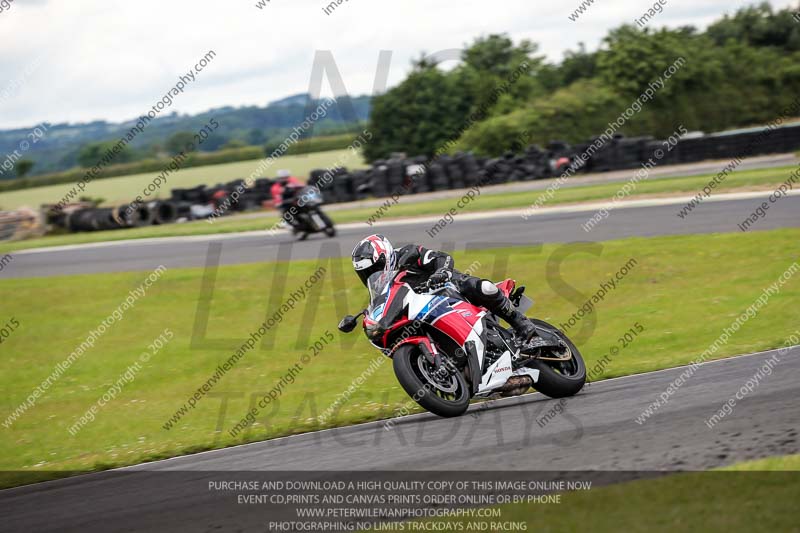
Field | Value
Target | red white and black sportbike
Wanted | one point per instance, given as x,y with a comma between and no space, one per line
446,351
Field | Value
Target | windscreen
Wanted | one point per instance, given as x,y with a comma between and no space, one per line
378,285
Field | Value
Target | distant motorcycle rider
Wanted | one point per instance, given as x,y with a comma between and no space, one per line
284,191
375,254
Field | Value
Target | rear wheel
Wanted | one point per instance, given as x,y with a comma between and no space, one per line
329,230
562,373
442,394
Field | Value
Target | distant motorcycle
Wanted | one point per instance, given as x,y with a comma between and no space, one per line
305,216
446,351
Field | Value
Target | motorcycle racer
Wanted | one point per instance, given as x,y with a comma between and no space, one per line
375,254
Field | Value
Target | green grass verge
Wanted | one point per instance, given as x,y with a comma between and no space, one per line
233,224
782,463
124,189
746,180
752,496
683,303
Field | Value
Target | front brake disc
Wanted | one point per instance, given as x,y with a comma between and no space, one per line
450,388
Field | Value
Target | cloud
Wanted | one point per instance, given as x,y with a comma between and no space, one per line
112,60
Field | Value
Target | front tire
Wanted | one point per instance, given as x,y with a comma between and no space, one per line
410,368
556,379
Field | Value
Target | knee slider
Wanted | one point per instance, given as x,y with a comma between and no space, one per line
488,288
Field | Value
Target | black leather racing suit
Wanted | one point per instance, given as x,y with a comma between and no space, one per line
421,264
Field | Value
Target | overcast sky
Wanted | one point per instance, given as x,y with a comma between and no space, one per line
113,59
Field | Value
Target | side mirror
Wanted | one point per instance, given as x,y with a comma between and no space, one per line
348,324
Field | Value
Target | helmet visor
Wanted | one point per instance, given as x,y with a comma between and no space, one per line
367,267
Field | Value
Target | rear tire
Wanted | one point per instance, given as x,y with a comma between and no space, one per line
559,380
406,367
330,229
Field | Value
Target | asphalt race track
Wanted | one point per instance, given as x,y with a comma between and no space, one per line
556,225
596,431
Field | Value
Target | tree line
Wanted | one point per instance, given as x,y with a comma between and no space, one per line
741,71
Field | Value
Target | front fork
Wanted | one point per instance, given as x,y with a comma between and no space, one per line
442,366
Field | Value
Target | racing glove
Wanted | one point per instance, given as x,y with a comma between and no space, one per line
439,278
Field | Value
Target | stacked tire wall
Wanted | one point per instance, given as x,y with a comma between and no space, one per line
402,175
463,170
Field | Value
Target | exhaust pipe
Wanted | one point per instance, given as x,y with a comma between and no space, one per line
516,385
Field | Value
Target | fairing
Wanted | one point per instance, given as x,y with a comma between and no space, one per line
395,307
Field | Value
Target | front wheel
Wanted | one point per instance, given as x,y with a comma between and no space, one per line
443,395
559,378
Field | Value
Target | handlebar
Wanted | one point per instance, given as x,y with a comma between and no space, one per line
429,287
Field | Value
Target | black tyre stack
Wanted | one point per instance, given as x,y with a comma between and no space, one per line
163,212
398,175
134,216
344,185
379,179
437,176
455,176
95,219
417,175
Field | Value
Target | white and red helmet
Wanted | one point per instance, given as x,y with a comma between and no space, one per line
373,254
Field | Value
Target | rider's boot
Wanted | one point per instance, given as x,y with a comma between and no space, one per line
523,327
495,301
